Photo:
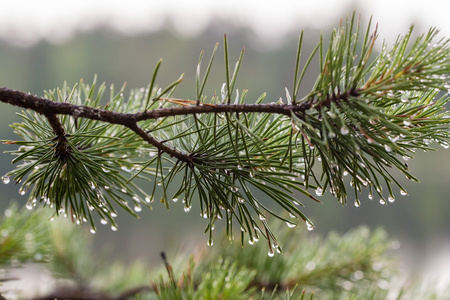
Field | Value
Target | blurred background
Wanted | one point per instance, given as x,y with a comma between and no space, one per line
44,43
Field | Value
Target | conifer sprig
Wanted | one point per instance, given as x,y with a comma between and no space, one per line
364,115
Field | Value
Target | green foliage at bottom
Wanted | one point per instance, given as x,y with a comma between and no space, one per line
356,265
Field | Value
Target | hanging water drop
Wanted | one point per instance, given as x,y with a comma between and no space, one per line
309,225
240,200
210,242
29,205
357,203
370,196
137,208
270,253
391,198
187,208
291,225
445,145
407,122
22,191
382,201
103,221
262,218
251,242
387,148
404,100
239,167
175,199
319,191
93,231
113,228
105,170
159,183
331,134
406,158
6,179
345,173
403,193
344,130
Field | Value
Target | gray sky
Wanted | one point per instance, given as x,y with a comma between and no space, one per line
24,22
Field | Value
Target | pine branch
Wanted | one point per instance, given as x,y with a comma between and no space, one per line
363,114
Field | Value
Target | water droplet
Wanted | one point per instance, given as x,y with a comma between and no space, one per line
404,100
137,208
159,183
370,196
103,221
114,228
407,122
311,147
382,201
270,253
292,216
210,242
406,158
113,214
175,199
6,179
319,191
22,191
291,225
240,200
391,198
331,134
251,242
403,193
387,148
239,167
105,170
344,130
262,218
93,231
148,199
29,205
445,145
91,184
309,225
187,208
345,173
357,203
124,190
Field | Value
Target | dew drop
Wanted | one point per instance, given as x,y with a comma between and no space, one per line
29,205
270,253
319,191
391,198
210,242
311,147
309,225
403,193
159,183
187,208
148,199
22,191
291,225
404,100
241,200
344,130
292,216
103,221
407,122
262,218
296,202
406,158
239,167
113,228
251,242
175,199
445,145
387,148
331,134
105,170
124,190
93,231
6,179
113,214
345,173
357,203
137,208
382,201
370,196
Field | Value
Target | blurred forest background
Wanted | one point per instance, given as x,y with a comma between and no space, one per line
419,221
